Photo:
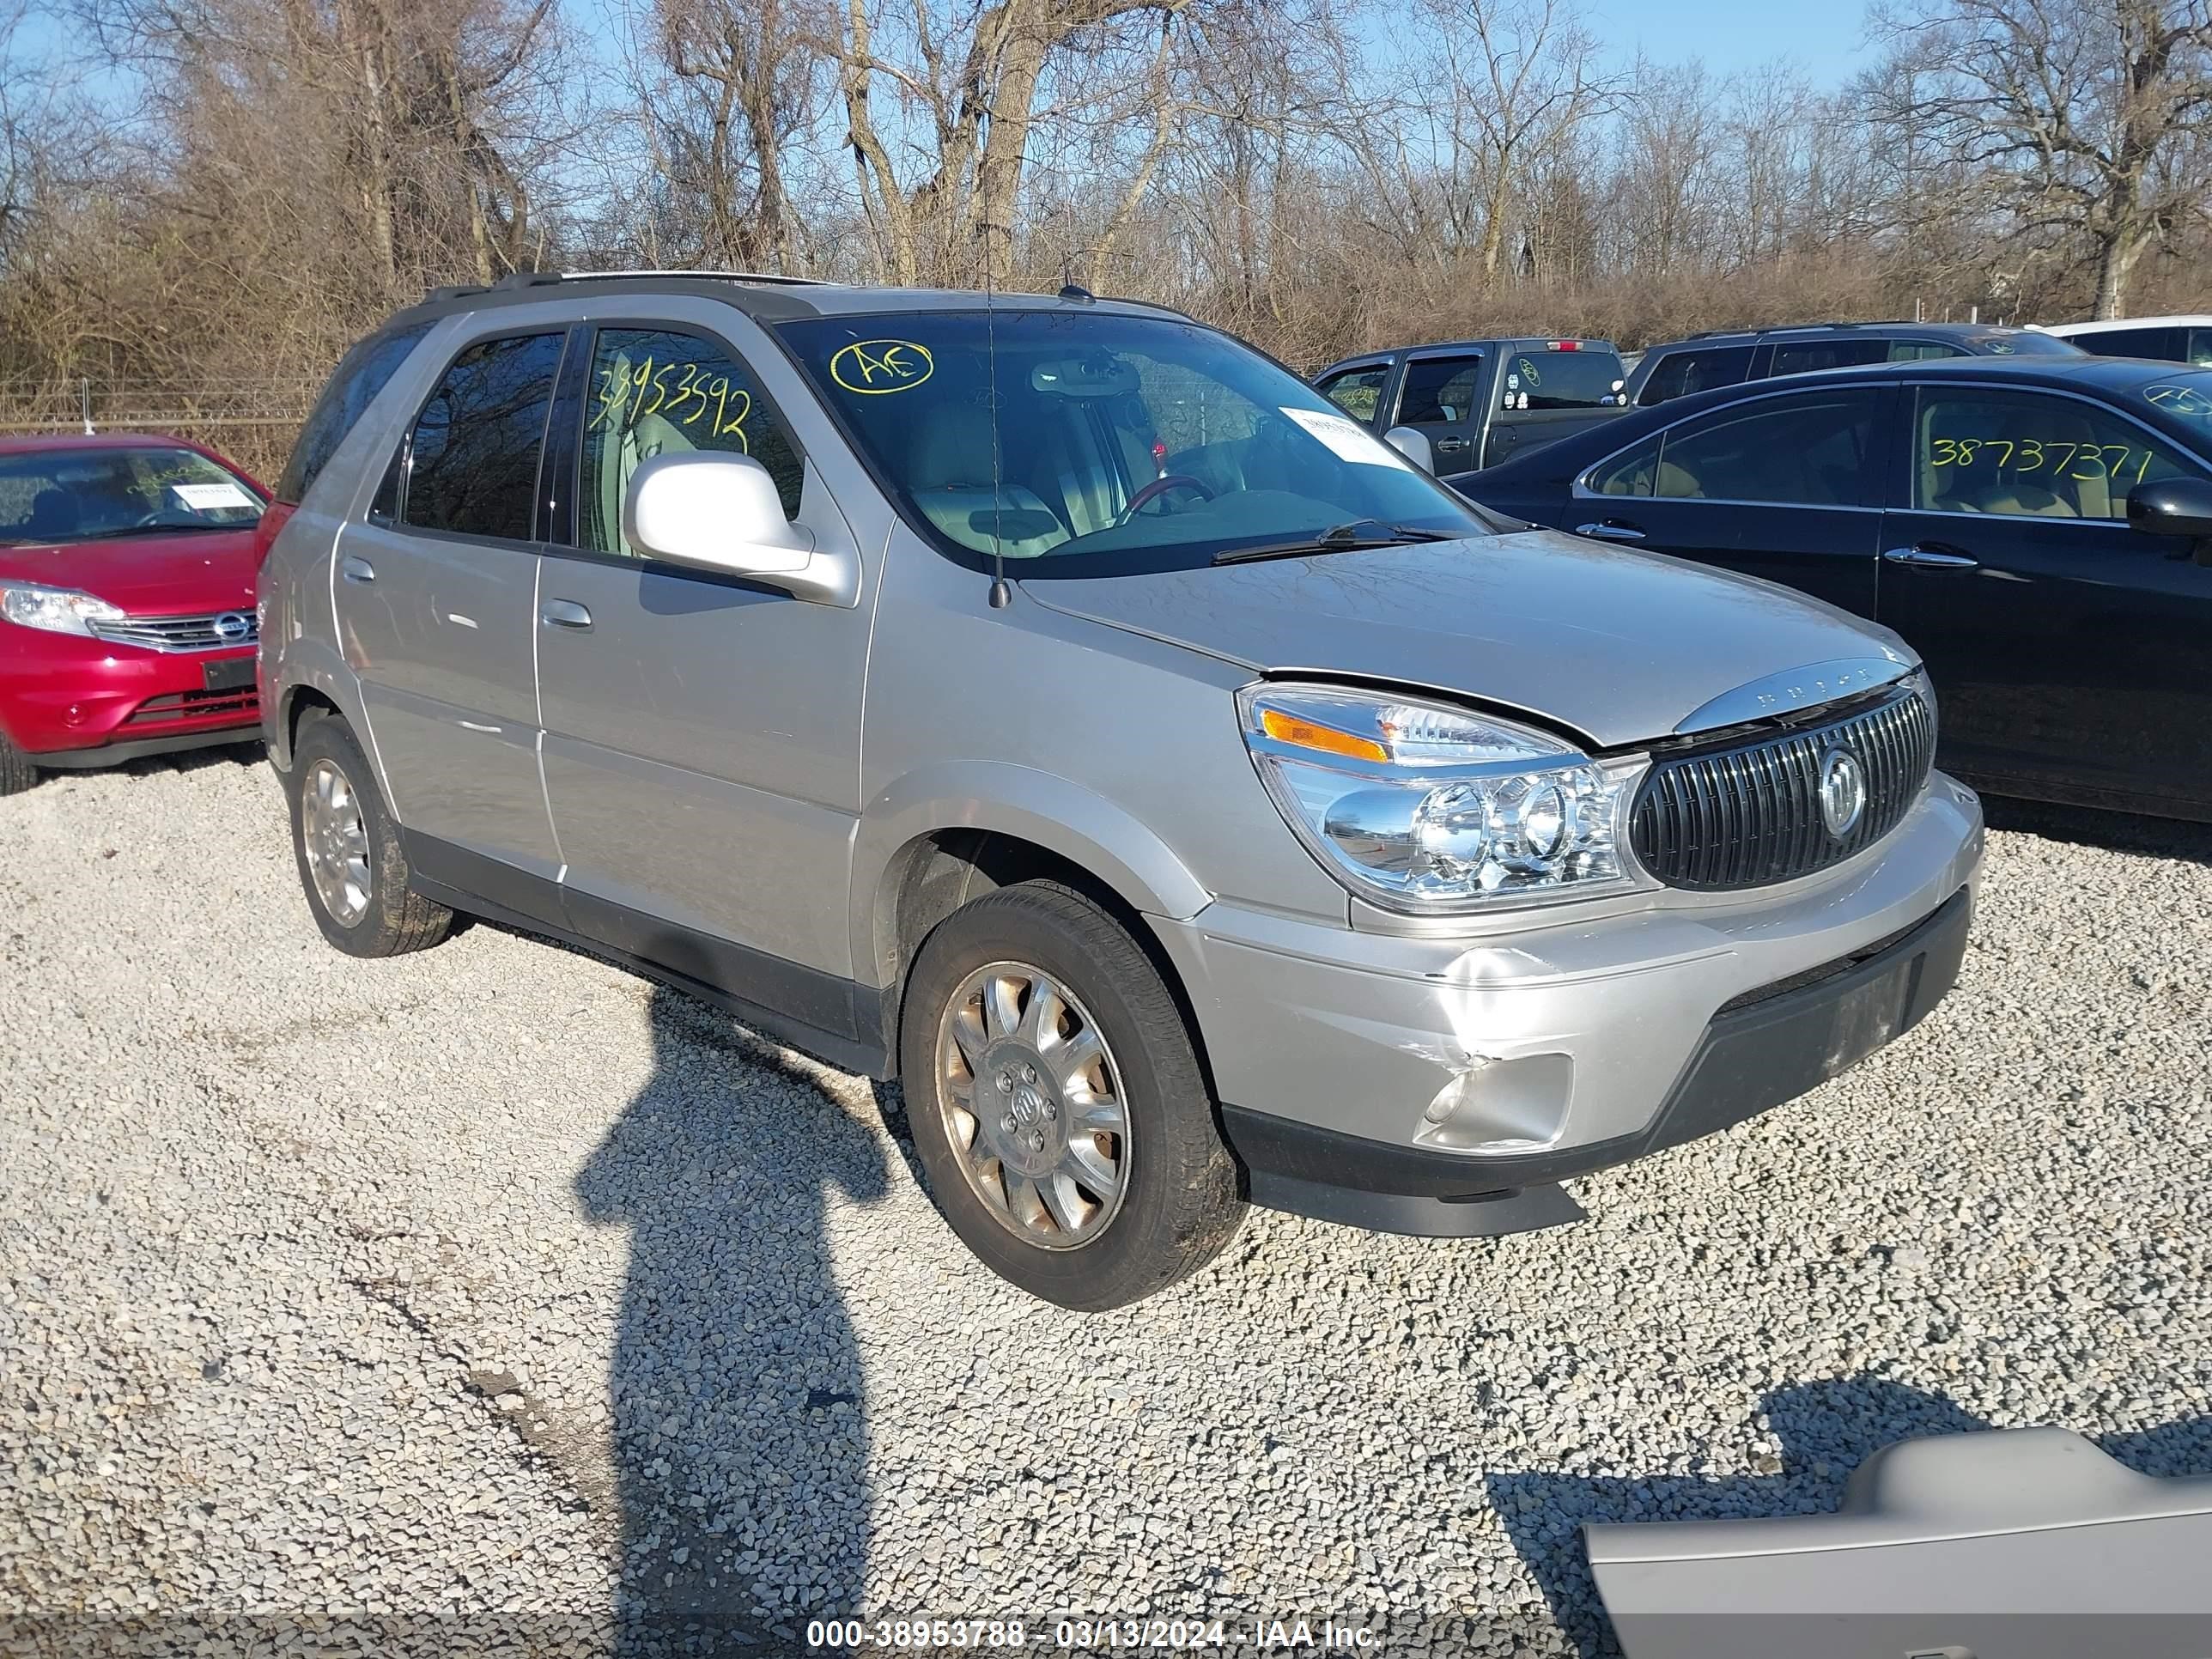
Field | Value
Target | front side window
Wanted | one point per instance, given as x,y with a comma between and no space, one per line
1439,390
1096,443
2030,454
1679,373
654,392
1356,391
472,458
88,494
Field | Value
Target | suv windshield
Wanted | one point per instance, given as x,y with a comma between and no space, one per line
58,495
1095,443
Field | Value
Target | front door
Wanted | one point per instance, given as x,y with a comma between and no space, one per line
1785,486
2071,654
701,733
435,611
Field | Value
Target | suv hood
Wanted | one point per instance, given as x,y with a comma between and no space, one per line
1621,647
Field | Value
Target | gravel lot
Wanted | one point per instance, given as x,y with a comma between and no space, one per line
491,1296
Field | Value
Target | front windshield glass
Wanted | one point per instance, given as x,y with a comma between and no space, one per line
1104,443
60,495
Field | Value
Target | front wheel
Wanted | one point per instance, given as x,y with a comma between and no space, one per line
16,772
1056,1101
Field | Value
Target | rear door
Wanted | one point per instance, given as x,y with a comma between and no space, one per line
1437,396
1787,486
2071,654
435,603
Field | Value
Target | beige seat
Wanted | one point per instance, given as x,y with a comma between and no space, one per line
950,470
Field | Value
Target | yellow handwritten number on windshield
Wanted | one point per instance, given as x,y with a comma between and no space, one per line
872,368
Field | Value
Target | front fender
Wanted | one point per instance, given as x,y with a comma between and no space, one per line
1036,807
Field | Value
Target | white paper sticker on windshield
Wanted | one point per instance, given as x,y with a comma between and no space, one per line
1346,439
209,497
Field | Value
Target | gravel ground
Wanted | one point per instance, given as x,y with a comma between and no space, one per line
492,1295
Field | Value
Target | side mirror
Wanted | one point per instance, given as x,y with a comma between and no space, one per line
1413,445
720,512
2174,507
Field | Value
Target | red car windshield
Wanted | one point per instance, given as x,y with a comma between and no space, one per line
60,495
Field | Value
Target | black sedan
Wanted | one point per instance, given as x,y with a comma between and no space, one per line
2039,530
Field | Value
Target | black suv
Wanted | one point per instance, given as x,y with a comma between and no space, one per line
1730,356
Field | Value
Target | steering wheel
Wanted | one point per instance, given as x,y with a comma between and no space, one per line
1159,487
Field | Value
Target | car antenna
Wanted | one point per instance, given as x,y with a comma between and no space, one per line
1001,595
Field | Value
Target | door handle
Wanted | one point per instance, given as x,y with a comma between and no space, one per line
1930,558
354,568
1450,445
564,613
1609,532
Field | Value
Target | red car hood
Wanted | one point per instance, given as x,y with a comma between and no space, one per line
197,573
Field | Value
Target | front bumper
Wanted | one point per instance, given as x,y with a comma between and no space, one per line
69,702
1628,1032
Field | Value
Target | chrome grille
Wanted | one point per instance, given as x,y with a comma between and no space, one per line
178,633
1749,814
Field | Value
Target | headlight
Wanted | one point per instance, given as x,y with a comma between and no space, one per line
56,609
1423,808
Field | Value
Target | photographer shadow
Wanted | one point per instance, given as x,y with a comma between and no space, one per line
1826,1429
739,1432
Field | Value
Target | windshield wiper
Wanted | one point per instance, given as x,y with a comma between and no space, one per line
156,530
1338,538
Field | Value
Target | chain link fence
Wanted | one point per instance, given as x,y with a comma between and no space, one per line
252,421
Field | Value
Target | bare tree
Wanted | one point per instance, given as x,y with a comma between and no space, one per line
2074,109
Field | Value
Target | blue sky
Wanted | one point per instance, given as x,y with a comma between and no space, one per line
1824,38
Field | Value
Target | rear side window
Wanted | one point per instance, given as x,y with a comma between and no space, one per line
654,393
1680,373
1804,356
473,456
361,375
1797,452
1356,391
2161,343
1920,351
1439,390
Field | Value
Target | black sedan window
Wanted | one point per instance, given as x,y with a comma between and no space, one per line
1811,451
2032,454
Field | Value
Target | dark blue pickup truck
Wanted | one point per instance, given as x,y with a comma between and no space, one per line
1476,403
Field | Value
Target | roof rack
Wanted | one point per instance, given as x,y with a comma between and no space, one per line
526,279
1808,328
728,275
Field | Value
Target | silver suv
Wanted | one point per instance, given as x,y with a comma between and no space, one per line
1056,705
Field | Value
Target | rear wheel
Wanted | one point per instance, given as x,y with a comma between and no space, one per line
1057,1103
16,772
350,860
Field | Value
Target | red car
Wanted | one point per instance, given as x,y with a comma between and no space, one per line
126,602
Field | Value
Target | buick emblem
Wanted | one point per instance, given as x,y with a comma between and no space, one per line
231,627
1843,793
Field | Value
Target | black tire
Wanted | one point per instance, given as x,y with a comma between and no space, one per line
1180,1203
395,918
16,772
